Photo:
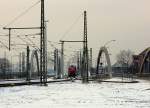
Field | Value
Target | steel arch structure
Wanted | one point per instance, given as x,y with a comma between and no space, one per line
146,55
34,54
104,50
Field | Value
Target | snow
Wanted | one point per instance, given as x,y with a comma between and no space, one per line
78,95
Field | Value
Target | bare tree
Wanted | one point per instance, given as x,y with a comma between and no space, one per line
125,57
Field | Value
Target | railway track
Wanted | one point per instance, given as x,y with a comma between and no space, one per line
21,83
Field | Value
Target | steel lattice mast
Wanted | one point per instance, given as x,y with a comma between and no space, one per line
43,76
85,52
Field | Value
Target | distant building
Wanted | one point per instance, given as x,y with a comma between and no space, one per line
141,63
120,69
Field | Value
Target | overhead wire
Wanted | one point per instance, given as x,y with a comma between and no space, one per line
3,39
52,45
71,27
23,13
4,44
3,35
25,41
53,42
36,47
33,34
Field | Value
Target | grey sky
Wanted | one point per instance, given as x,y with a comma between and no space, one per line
127,21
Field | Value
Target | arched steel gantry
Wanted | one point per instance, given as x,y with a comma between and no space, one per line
147,54
34,54
104,50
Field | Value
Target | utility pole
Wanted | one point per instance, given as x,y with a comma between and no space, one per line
9,38
28,64
9,44
78,62
62,59
81,73
23,62
43,76
20,64
91,65
56,65
4,65
11,69
46,49
85,52
59,67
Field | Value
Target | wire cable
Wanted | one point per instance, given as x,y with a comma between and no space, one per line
71,27
52,45
23,13
35,46
4,45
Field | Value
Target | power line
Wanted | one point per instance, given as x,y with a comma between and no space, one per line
25,41
3,44
71,27
52,45
34,34
54,42
3,39
3,35
22,35
23,13
35,46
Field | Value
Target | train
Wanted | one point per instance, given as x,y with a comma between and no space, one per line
72,71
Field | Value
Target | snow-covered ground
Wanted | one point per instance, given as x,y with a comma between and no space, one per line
78,95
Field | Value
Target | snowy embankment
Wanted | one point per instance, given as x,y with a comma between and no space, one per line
78,95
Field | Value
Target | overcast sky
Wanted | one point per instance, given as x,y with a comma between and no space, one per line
126,21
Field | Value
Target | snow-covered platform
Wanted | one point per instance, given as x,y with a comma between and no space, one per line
78,95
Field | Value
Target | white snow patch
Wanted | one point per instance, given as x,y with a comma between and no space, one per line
77,95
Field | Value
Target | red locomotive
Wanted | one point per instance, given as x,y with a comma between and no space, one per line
72,71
